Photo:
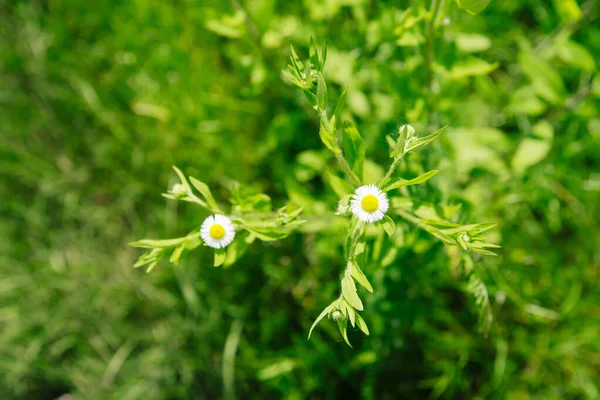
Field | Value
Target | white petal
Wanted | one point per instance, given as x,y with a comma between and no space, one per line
356,203
225,223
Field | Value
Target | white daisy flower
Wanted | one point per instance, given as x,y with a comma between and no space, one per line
369,203
217,231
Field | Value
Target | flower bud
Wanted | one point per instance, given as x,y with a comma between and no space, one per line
410,131
178,190
336,315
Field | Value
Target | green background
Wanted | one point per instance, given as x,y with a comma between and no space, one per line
99,99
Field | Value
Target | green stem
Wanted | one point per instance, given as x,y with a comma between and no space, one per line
339,155
409,216
196,199
356,231
346,167
391,170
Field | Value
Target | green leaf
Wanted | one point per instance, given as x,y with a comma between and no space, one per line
529,152
235,250
358,103
340,104
326,311
477,288
576,55
359,276
308,84
149,243
362,324
291,74
398,183
229,26
543,130
321,92
151,266
473,6
327,134
472,66
410,39
314,55
204,190
257,202
359,248
176,255
296,62
269,233
404,133
278,368
354,148
483,251
150,258
472,42
546,81
220,256
343,207
437,233
388,225
567,10
343,326
340,186
483,227
348,312
312,99
182,178
424,141
349,292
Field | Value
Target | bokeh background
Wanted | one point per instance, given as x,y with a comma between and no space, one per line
99,99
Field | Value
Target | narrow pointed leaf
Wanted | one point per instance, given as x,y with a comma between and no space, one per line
181,176
483,251
204,190
405,132
349,312
388,225
323,55
340,103
362,324
424,141
360,277
220,256
176,255
321,92
343,326
326,311
398,183
296,62
314,55
473,6
350,294
150,243
354,148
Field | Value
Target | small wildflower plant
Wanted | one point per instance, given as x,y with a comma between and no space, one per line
229,234
363,202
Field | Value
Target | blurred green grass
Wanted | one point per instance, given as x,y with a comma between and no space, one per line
99,100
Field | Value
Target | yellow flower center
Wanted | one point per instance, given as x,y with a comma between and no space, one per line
217,231
370,203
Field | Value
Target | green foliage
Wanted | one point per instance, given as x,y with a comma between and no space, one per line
99,100
250,213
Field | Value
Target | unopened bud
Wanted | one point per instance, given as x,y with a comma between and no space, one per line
410,131
336,315
179,190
